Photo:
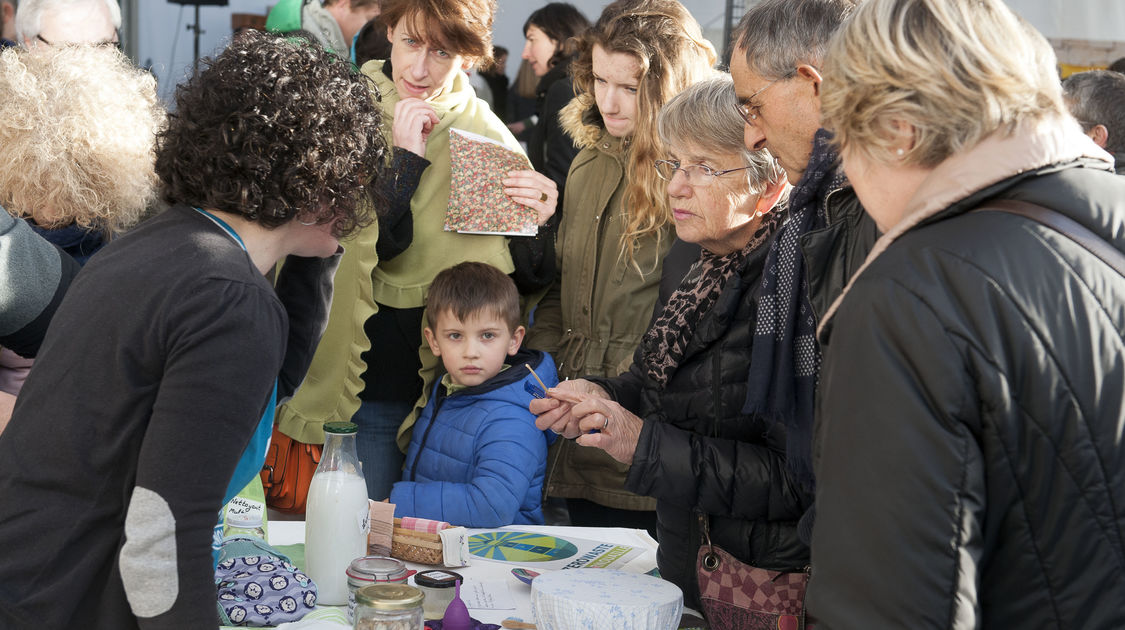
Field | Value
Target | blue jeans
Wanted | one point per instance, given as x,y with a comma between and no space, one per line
375,445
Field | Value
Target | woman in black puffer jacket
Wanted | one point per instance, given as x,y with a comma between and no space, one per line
971,468
676,415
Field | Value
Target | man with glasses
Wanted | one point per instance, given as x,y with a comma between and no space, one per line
62,22
1097,99
779,47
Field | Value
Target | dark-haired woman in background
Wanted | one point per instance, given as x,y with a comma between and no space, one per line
171,344
546,34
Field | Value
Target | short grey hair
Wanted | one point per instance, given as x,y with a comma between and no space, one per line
779,35
1096,98
29,14
705,115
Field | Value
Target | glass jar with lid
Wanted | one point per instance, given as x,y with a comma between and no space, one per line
438,585
373,570
388,607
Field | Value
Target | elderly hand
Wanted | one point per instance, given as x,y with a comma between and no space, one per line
534,190
414,120
618,430
554,411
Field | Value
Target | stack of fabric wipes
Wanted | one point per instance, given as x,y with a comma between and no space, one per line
603,599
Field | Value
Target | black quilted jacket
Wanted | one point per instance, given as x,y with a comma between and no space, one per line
698,453
971,439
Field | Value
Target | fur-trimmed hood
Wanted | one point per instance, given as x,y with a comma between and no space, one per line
581,121
1030,147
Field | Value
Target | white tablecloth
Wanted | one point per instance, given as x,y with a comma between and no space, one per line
293,532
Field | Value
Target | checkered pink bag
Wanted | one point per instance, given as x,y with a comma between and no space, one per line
737,596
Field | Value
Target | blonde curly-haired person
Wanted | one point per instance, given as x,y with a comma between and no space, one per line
77,164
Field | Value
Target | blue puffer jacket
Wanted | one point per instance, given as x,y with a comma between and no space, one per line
481,462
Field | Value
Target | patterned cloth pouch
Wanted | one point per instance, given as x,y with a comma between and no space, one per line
477,203
259,586
737,596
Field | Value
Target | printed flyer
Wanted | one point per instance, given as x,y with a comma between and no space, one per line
543,551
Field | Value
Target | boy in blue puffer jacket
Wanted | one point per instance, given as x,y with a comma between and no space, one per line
475,458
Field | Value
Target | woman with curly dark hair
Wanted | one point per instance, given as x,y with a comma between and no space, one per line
172,345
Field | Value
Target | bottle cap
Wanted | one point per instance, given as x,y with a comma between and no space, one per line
437,578
340,427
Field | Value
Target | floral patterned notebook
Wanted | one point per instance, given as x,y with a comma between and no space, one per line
477,203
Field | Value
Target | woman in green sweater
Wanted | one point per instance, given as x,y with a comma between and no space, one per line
371,364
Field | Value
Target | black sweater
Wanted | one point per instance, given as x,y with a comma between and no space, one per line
152,378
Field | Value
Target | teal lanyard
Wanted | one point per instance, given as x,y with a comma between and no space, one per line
223,224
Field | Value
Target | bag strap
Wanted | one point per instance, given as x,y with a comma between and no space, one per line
1064,225
710,559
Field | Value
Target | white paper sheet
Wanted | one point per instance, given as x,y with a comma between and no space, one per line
487,594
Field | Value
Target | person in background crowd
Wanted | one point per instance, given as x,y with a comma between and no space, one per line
81,124
521,100
1097,100
169,347
78,159
367,368
37,275
481,87
1117,66
331,23
59,22
547,33
675,417
497,78
371,43
971,470
780,48
8,23
616,227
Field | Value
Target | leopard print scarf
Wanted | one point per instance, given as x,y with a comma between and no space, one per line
664,343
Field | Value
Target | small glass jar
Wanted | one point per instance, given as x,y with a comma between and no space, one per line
373,570
388,607
439,587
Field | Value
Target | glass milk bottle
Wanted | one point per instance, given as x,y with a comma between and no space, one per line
336,515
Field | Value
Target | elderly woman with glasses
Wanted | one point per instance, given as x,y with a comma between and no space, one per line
971,468
676,416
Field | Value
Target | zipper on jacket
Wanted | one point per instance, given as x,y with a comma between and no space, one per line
716,390
827,206
426,434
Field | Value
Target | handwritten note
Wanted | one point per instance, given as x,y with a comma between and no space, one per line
245,509
487,594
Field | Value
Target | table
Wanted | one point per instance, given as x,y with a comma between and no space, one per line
293,532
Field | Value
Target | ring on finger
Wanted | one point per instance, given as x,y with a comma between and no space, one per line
543,196
605,424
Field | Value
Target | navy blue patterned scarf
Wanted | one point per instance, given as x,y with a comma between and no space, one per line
785,361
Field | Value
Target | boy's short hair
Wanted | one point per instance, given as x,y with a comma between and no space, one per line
468,288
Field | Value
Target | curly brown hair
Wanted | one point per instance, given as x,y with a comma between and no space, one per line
275,128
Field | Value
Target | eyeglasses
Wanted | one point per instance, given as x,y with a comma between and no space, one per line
750,112
114,43
697,174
